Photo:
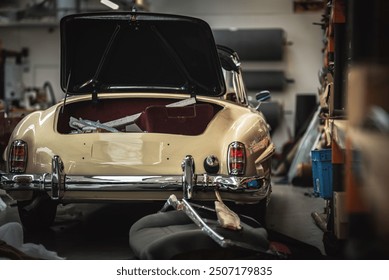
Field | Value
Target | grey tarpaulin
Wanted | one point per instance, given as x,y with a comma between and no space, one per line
12,234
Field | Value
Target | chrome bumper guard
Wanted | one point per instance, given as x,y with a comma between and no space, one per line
57,182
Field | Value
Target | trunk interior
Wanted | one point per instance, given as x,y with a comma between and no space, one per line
150,115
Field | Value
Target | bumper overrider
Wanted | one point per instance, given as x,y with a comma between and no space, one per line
57,184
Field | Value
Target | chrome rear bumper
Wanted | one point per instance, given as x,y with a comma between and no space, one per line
57,184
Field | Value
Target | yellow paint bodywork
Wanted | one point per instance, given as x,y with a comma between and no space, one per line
132,153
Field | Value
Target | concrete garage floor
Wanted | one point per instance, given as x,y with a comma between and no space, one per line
100,231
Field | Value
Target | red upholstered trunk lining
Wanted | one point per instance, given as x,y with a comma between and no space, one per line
189,120
156,117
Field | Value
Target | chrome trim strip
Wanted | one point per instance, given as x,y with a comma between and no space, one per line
192,214
184,205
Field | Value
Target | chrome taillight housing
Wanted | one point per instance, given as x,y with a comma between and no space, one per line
17,157
236,158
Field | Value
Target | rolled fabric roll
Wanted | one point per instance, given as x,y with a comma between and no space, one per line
273,80
253,44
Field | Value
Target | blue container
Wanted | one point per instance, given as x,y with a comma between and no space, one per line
322,173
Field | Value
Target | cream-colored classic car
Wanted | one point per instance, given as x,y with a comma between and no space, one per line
152,105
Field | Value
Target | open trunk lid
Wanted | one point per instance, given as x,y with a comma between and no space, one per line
129,51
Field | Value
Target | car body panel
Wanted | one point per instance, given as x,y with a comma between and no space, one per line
139,153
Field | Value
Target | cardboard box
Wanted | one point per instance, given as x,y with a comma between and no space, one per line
340,215
368,85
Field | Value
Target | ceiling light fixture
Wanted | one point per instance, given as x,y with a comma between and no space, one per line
110,4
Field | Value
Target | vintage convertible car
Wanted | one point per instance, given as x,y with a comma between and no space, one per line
151,104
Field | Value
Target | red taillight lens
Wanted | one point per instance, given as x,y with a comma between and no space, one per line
236,158
17,160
